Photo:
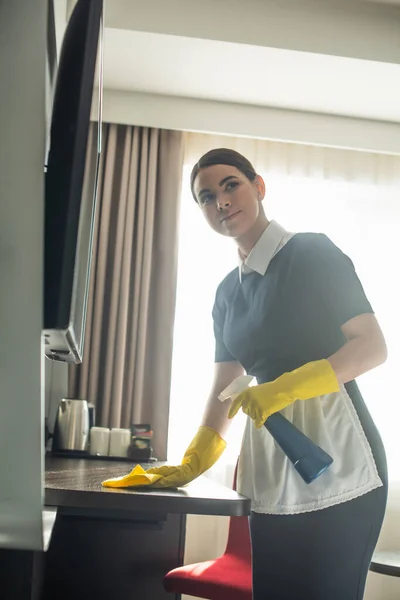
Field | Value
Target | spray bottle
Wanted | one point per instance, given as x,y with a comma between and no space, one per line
308,459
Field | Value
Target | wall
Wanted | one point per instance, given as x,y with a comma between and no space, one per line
355,29
190,114
22,148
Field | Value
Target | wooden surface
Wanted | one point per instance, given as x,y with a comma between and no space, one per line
386,563
76,484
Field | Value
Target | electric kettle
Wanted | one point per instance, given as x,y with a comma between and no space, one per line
71,431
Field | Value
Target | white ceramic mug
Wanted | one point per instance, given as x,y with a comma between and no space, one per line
120,440
99,441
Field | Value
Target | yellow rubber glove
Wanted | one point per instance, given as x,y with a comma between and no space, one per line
203,451
261,401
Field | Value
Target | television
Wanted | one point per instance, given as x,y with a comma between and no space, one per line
71,182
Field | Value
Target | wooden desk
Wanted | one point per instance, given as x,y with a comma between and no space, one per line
119,543
76,484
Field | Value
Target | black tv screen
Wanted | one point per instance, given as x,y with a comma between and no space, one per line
71,182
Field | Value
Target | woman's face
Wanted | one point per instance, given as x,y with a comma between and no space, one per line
229,200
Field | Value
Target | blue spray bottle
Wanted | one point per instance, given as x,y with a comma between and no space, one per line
308,459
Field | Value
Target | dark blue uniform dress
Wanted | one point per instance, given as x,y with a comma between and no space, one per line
309,542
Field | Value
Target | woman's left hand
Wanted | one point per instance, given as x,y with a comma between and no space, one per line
313,379
260,402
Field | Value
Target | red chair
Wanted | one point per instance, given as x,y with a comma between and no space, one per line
225,578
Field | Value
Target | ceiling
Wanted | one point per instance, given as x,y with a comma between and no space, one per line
232,72
384,1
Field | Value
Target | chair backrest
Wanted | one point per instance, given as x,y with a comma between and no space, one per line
238,542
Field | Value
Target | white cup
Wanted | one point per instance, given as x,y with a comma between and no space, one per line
99,441
120,440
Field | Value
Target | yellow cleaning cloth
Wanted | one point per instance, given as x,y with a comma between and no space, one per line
137,477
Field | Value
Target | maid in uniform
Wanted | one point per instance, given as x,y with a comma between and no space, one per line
295,316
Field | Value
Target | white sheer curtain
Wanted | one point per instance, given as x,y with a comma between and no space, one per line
352,197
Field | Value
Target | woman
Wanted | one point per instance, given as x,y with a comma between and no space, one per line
296,317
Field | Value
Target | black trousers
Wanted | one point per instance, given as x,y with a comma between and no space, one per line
320,555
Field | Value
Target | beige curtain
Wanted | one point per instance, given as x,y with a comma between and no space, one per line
126,370
290,159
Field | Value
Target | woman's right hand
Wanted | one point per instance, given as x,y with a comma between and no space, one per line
204,450
173,476
208,445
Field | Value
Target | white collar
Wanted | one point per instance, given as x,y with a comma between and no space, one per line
270,241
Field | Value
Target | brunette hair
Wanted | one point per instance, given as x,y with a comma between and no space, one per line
222,156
